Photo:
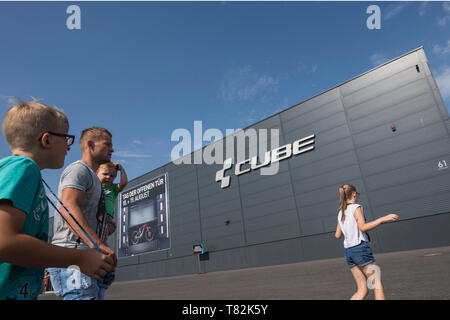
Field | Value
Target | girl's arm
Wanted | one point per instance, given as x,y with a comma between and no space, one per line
338,233
364,227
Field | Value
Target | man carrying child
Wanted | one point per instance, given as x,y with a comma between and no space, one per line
81,192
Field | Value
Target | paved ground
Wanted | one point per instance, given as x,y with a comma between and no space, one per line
418,274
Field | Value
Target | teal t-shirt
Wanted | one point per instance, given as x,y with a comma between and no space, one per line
20,182
111,193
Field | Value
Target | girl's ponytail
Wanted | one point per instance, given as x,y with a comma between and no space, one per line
345,193
342,202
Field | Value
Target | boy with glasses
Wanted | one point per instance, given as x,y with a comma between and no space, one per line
37,136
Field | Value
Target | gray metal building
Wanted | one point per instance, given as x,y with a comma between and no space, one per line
385,131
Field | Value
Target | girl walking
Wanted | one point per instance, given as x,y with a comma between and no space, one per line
358,254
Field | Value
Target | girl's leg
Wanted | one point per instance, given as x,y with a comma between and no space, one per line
361,283
373,274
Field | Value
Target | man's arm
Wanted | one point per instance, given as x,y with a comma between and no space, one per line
72,199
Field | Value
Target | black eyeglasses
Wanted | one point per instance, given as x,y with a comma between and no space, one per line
70,139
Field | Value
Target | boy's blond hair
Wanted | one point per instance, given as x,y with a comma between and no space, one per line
107,165
25,122
94,134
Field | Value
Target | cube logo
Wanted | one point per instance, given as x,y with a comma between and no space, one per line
284,152
220,175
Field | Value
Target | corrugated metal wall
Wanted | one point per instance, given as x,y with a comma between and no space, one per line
291,216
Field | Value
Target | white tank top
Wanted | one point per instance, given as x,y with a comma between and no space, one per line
352,235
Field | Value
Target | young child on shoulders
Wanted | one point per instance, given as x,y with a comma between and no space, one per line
107,173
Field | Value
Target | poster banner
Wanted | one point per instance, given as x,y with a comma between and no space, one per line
144,218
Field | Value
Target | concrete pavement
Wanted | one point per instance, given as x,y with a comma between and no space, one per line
417,274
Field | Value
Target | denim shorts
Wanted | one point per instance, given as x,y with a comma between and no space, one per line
359,255
72,284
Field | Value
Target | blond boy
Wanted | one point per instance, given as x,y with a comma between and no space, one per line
37,136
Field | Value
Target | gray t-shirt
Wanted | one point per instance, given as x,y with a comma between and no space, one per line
77,175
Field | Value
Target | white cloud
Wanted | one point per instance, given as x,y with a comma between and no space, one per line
243,84
377,59
442,21
10,100
393,10
423,7
306,69
137,141
443,81
127,154
437,49
250,116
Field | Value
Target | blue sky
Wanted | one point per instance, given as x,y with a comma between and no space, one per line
144,69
